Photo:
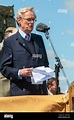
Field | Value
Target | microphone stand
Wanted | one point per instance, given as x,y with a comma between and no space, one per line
58,66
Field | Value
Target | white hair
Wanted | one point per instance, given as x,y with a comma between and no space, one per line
21,11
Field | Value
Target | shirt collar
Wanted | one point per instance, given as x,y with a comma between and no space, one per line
22,33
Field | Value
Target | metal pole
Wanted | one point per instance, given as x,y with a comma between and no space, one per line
56,57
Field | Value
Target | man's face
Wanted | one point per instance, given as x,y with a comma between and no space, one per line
27,22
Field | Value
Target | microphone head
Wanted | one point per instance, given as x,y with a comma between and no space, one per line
42,27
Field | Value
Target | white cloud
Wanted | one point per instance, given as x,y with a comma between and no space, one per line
62,78
70,5
50,54
70,32
67,63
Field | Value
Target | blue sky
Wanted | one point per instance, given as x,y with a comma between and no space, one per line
59,16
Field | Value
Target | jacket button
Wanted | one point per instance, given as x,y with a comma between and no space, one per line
23,44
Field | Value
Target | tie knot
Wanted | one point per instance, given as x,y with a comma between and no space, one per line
27,37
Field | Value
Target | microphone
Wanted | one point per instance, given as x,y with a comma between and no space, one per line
42,27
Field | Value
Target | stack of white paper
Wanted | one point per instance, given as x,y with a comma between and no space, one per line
41,74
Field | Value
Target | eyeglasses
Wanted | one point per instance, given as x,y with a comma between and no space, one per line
30,19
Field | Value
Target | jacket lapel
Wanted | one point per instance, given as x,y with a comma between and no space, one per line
35,44
22,43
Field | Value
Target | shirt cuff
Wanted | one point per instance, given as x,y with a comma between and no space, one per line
19,76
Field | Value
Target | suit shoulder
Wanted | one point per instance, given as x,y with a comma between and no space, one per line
11,38
37,35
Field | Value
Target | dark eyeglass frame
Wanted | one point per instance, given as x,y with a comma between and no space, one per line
30,19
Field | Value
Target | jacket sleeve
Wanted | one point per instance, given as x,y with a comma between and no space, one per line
6,62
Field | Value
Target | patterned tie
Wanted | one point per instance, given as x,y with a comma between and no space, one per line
27,37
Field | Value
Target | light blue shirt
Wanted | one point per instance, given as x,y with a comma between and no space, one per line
23,34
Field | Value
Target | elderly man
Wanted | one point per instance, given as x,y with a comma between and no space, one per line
22,52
